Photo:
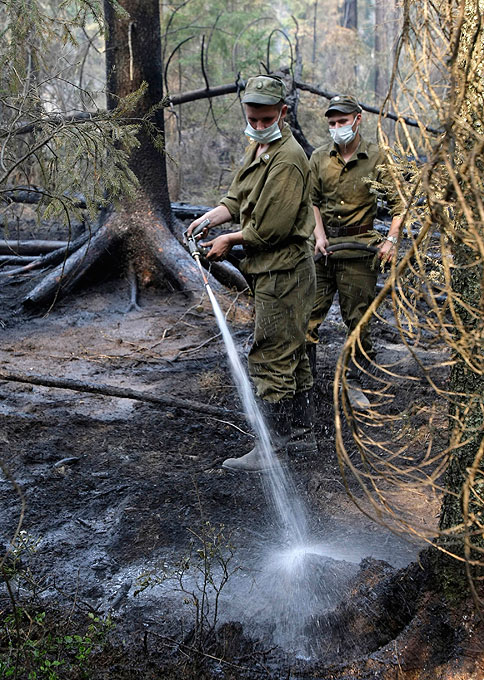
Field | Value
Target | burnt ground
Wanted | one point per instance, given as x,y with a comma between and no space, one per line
117,488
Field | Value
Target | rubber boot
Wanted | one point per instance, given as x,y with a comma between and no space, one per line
303,442
311,352
356,396
277,419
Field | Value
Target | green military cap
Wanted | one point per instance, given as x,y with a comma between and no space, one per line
264,90
344,103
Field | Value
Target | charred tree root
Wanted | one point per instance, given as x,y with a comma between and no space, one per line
140,229
65,276
121,392
133,289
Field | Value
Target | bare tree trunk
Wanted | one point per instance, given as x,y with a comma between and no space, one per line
380,43
133,57
387,14
315,33
349,14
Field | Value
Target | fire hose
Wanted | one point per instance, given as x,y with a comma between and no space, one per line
197,251
347,245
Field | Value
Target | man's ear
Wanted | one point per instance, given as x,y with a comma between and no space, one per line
283,111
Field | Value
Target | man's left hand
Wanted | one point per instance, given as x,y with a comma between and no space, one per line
219,247
387,251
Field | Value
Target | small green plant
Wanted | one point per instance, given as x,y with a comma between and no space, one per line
37,646
38,643
200,575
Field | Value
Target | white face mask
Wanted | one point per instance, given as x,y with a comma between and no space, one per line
267,135
343,135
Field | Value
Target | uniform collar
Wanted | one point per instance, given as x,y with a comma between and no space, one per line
360,153
273,146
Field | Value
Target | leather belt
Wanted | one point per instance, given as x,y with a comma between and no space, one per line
348,231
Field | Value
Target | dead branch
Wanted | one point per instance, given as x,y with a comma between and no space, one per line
206,93
121,392
57,119
366,107
32,247
18,259
51,258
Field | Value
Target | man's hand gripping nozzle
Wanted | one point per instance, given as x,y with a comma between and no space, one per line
194,246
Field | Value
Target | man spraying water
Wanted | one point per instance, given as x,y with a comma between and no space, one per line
270,198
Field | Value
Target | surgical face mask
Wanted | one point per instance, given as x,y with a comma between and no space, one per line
267,135
343,135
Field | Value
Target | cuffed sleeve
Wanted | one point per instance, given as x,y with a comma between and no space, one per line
232,206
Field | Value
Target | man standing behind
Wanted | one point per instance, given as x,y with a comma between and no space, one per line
344,209
270,198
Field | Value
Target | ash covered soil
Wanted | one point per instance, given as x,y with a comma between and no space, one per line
115,488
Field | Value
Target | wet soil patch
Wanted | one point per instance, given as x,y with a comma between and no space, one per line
115,488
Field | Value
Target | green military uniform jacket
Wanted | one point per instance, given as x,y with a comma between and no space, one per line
343,195
270,197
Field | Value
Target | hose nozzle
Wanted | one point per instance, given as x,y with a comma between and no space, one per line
194,246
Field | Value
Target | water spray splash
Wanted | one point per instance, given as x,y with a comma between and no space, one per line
295,580
277,481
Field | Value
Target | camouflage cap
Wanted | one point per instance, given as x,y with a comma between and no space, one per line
344,103
267,90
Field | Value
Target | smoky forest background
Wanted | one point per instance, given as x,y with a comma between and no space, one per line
120,121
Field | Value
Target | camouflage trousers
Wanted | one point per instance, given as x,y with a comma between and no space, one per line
355,282
278,364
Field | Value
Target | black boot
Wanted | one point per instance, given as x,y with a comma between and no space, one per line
311,352
277,419
303,442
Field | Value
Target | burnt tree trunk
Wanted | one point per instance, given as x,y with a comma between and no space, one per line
144,227
133,57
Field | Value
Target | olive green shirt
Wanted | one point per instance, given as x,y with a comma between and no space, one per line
343,195
270,198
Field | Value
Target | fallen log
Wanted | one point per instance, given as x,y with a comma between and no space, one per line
121,392
18,259
32,194
51,258
32,247
187,211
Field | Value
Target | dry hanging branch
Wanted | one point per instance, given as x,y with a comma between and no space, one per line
434,446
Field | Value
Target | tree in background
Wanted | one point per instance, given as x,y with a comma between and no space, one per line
349,14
